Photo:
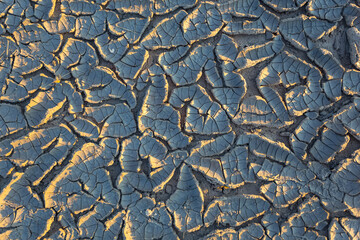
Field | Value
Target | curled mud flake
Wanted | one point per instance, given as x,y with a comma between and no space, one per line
235,210
204,22
120,123
161,117
144,8
330,11
164,7
11,119
353,38
167,33
186,204
255,54
203,116
285,5
130,65
146,219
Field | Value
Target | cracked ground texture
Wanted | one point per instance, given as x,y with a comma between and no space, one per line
180,119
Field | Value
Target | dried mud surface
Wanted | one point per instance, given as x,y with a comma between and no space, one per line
180,119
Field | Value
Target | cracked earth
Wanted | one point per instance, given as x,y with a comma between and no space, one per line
180,119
